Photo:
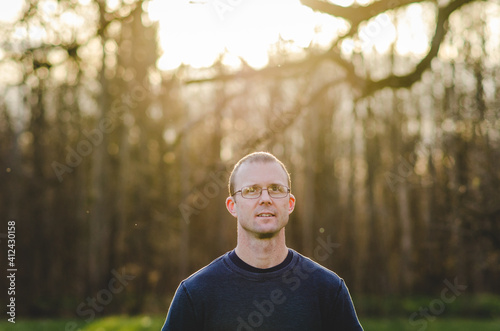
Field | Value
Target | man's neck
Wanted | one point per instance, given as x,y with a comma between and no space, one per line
262,253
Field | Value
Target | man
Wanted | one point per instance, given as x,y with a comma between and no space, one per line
261,284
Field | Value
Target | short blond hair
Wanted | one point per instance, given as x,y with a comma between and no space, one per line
263,157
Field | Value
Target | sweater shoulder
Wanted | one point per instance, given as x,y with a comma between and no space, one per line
213,269
320,272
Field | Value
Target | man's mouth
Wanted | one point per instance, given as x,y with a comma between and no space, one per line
265,215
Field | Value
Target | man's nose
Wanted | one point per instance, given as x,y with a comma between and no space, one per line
265,197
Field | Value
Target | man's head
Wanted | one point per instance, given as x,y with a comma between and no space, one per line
262,157
260,197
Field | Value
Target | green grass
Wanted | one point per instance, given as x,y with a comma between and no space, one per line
143,323
482,306
124,323
36,325
456,324
113,323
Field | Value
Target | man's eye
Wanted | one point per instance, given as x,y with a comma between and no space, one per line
251,189
275,188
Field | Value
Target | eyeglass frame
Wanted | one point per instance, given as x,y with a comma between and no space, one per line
262,189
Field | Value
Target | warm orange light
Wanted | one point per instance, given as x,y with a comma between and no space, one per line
197,32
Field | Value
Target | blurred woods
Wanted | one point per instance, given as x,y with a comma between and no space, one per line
109,164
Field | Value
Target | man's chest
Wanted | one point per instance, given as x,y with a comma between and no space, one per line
263,308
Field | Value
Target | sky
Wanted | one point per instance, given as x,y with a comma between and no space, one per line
197,32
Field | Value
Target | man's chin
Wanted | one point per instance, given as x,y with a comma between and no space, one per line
263,231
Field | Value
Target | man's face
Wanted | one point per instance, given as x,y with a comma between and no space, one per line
265,216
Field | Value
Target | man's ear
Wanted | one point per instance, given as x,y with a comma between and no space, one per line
291,203
231,206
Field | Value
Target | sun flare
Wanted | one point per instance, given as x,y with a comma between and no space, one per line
197,33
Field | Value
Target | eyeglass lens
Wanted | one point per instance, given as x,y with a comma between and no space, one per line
275,191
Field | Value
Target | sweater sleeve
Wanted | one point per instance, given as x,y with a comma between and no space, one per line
344,314
181,314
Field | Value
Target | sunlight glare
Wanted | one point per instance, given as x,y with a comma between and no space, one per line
197,33
379,33
343,3
112,5
10,10
412,36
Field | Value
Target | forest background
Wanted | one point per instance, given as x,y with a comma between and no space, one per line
115,170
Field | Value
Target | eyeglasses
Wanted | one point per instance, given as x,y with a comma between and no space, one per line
254,192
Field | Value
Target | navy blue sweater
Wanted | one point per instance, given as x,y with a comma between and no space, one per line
228,294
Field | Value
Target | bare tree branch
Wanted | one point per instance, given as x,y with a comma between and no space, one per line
356,14
274,71
396,81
